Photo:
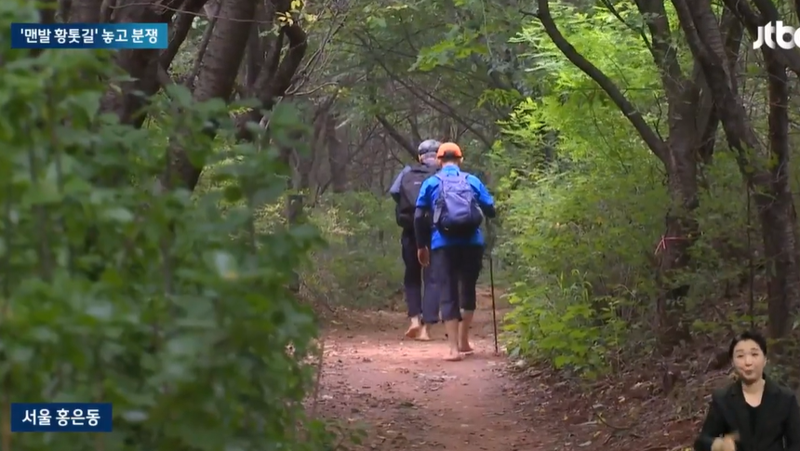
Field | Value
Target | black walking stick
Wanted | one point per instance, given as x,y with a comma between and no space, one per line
490,232
494,308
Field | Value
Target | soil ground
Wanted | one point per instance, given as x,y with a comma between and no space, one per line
409,398
406,397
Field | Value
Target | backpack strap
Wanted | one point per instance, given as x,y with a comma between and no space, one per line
461,175
439,176
438,204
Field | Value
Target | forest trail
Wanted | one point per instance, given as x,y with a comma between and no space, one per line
409,398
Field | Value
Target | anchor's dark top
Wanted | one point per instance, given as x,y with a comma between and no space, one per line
774,425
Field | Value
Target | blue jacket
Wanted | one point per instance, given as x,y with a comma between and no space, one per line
427,199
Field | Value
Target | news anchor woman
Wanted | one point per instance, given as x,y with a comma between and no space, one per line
754,413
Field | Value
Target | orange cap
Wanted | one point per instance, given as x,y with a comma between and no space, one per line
449,150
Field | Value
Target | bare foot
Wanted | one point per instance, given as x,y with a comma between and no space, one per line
413,330
466,349
454,356
423,335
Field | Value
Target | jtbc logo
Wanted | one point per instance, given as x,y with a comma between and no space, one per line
785,36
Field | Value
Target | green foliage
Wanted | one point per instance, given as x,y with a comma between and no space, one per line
454,50
362,264
569,326
582,231
459,44
130,294
605,41
571,231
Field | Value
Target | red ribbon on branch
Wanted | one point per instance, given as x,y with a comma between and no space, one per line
662,244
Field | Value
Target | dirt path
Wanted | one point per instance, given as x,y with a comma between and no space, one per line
410,399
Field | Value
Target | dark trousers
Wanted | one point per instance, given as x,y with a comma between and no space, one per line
418,283
455,273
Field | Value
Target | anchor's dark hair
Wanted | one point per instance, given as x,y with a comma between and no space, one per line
748,335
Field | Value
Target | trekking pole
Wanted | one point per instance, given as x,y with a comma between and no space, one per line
494,308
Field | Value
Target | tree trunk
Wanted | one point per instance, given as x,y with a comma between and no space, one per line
218,73
690,125
776,209
337,156
141,65
85,11
294,216
767,177
681,233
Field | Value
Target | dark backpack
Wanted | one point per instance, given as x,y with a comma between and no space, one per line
410,185
456,213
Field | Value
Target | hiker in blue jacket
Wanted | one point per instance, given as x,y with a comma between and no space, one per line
405,191
458,202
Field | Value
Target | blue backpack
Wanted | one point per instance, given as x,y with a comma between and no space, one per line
456,213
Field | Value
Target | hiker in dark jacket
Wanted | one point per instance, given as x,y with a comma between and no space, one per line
423,308
458,202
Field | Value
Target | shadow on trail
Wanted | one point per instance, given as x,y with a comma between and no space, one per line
411,399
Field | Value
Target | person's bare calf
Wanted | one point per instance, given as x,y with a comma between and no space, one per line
454,355
463,332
